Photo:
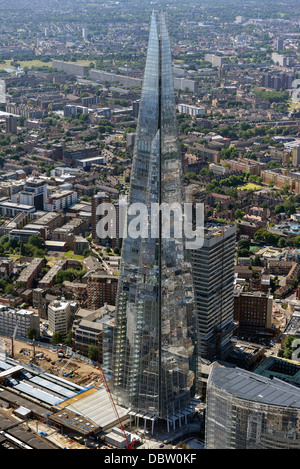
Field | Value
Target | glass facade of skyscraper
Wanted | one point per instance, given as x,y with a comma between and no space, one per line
153,350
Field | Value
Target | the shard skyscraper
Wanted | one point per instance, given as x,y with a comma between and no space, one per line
153,350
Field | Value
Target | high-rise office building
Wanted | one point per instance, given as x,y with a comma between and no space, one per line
2,92
296,156
11,124
153,352
117,216
213,274
135,108
59,316
97,200
279,43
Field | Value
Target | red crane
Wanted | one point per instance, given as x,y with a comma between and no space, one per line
128,444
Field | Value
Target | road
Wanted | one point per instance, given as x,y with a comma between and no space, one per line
180,434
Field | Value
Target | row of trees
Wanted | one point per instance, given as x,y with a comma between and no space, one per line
230,182
272,96
33,248
69,275
289,347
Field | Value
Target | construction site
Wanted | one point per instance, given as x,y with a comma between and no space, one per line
59,397
53,398
57,362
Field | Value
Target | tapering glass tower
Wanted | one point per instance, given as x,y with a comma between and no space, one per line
152,358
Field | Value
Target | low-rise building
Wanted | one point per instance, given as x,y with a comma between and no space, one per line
49,278
75,227
253,312
88,328
60,200
11,209
78,244
31,272
191,110
6,267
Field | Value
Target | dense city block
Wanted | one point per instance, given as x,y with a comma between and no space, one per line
114,342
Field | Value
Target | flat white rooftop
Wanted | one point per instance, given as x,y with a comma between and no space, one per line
97,407
11,370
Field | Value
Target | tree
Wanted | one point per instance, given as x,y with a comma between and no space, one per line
21,121
243,244
272,96
69,275
32,334
296,242
93,353
285,189
255,179
68,339
229,153
57,338
228,132
271,183
281,243
279,208
264,235
243,253
19,148
289,207
36,241
255,274
232,192
288,347
9,288
190,175
239,213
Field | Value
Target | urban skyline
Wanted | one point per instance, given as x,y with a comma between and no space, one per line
149,227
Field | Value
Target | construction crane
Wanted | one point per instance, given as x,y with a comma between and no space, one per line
12,341
128,444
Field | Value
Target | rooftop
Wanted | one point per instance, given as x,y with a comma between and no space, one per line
249,386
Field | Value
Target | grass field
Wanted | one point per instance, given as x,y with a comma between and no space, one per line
293,106
35,63
250,186
71,255
254,249
84,62
23,63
